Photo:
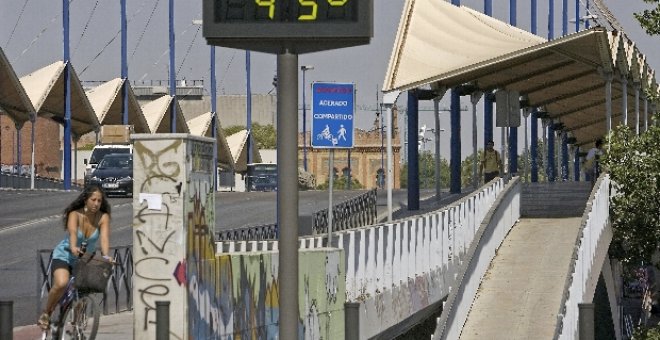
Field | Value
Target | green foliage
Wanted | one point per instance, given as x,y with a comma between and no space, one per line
230,130
649,19
341,183
427,172
634,166
264,135
466,169
646,333
89,146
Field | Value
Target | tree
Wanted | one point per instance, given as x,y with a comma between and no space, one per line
427,172
649,19
634,166
341,183
264,136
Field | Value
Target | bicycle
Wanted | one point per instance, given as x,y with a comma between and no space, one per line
78,316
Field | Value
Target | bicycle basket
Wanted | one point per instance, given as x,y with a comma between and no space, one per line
92,274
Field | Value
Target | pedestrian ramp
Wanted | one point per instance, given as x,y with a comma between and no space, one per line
521,293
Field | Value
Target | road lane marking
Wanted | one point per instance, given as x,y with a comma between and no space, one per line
45,219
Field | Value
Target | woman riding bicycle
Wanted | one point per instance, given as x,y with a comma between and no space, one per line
86,220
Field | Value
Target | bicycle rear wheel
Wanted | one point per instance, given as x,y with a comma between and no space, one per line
81,320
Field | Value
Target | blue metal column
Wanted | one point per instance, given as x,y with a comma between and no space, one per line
67,99
534,126
586,11
455,149
488,118
124,64
172,72
413,155
248,106
577,15
564,17
576,164
18,147
513,131
488,96
534,146
551,153
214,119
551,19
564,157
550,167
512,13
304,121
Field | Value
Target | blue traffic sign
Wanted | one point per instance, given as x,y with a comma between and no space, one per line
332,115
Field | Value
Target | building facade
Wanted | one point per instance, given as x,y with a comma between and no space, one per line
15,147
368,157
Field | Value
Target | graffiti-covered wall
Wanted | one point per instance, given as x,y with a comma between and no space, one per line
230,296
173,204
244,304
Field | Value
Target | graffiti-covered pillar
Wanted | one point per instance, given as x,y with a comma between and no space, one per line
173,226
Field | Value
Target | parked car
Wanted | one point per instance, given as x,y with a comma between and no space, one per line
114,174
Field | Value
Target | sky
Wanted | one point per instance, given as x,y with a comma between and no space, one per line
31,38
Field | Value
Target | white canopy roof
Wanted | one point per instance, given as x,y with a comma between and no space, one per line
436,37
201,126
13,98
239,151
157,114
45,88
565,77
106,100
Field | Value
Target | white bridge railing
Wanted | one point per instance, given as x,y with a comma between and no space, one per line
589,254
396,269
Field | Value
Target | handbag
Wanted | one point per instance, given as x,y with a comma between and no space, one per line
92,274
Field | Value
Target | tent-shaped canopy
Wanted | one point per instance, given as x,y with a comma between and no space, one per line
106,99
157,114
566,77
45,88
436,37
201,126
238,147
13,98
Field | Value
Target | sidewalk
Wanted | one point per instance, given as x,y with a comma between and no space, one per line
111,327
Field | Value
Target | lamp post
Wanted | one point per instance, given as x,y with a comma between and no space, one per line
304,68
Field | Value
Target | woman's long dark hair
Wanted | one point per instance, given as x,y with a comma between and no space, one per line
79,202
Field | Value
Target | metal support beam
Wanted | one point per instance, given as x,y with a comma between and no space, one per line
287,191
534,146
488,118
413,151
388,100
551,169
474,98
455,155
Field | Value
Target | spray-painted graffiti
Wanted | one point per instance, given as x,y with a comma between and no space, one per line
213,296
157,241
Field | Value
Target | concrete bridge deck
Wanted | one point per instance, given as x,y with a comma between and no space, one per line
521,294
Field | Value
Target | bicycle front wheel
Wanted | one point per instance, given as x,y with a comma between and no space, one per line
81,320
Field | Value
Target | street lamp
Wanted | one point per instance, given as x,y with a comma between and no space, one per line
304,68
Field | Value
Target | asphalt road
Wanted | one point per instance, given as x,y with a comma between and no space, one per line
31,220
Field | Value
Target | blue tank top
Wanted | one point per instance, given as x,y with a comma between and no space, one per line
63,250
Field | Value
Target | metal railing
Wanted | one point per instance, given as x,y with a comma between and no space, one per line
24,182
594,224
255,233
357,212
118,293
